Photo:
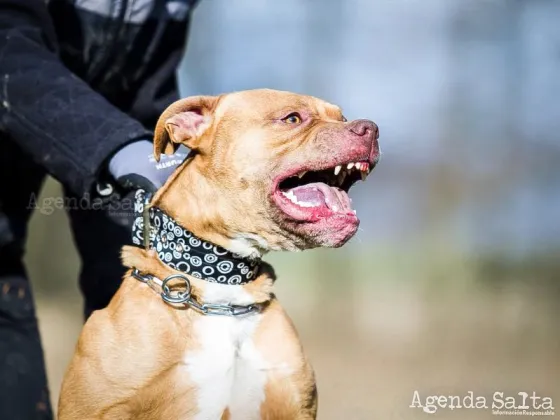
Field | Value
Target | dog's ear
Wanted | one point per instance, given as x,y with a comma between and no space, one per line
183,122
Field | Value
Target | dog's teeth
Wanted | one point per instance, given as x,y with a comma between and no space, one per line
301,174
341,178
337,169
354,211
364,176
291,196
350,165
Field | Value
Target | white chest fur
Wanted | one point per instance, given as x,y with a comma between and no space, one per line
227,369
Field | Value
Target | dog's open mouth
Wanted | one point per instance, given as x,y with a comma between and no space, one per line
313,194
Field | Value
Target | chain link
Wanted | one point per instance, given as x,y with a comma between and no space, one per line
184,296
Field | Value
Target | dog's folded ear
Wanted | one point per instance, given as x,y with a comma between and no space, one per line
183,122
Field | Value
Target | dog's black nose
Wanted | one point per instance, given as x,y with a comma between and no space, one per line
364,128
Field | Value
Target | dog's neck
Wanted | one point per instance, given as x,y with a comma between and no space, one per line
189,198
182,250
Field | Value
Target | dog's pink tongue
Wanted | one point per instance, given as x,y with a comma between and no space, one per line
320,194
309,194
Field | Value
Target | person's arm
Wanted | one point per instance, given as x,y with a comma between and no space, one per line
54,116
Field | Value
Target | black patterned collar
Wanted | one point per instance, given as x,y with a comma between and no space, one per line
183,251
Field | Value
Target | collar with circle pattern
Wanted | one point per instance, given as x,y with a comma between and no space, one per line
183,251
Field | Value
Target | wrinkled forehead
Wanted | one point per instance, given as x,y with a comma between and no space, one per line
263,103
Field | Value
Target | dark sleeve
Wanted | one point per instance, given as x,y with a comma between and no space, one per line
54,116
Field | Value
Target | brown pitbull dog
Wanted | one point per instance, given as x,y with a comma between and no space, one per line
269,171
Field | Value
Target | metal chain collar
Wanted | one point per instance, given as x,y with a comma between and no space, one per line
176,297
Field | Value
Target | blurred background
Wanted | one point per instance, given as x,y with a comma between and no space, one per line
452,283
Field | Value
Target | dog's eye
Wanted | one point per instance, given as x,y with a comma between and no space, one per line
293,118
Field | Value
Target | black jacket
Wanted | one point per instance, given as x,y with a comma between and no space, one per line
78,80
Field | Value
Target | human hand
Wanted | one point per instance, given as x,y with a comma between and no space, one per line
134,166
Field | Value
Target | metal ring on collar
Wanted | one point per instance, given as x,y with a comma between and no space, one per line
178,297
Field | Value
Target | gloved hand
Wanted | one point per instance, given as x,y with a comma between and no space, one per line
134,166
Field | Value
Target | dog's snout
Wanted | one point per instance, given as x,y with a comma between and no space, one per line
364,128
